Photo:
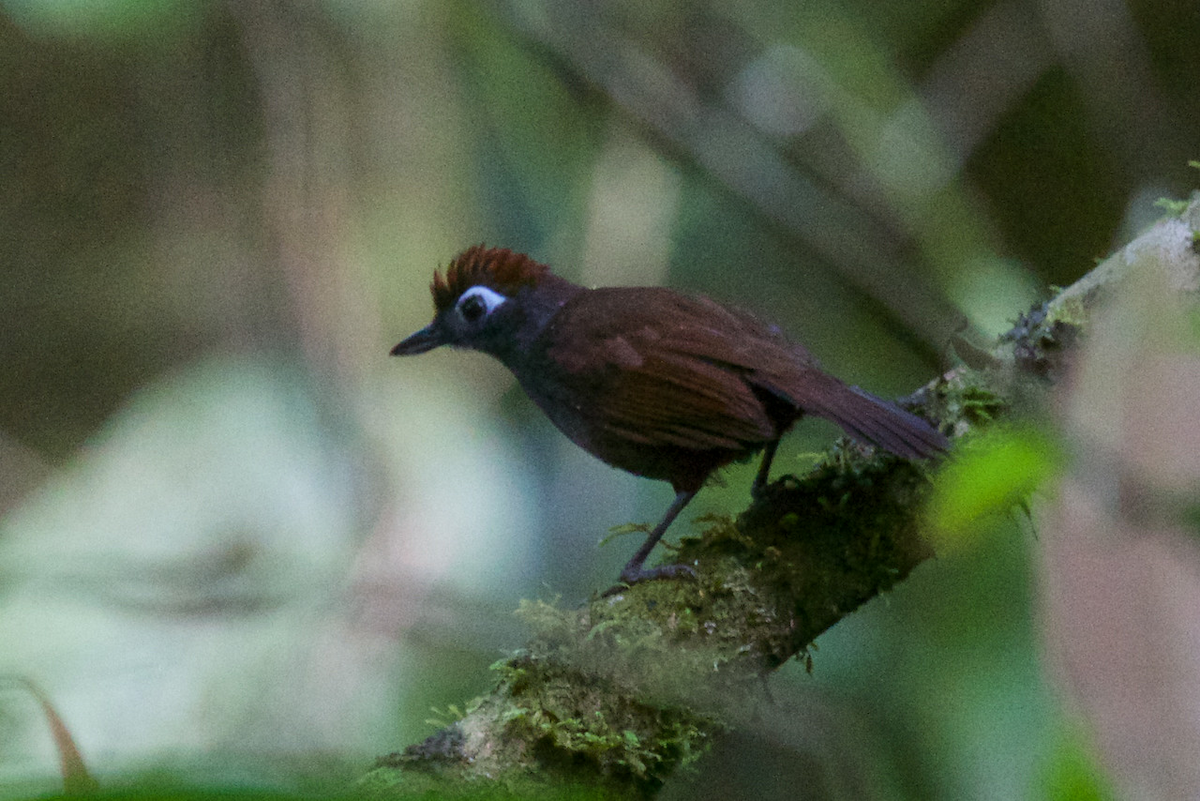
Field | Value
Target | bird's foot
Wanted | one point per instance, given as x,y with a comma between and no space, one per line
637,574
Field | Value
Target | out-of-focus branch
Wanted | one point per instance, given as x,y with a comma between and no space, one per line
867,248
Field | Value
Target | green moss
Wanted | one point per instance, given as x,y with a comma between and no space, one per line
1069,310
590,687
964,400
636,683
807,552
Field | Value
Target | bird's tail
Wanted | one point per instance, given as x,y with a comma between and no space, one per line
875,421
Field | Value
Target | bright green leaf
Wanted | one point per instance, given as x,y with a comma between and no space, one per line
989,476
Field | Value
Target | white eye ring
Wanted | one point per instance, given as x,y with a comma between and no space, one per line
469,303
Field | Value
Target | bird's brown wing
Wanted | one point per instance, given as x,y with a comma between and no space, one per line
660,368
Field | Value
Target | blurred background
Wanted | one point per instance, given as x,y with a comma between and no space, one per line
238,543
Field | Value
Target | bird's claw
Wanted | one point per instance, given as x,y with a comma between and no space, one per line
636,575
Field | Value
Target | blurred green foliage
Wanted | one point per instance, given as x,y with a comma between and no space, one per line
996,473
1071,773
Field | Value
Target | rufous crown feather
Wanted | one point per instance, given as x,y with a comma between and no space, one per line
498,268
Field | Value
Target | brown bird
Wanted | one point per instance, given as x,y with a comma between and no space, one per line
658,383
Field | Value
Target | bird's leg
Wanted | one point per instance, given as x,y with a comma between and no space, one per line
764,470
634,572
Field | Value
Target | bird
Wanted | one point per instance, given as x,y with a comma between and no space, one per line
656,382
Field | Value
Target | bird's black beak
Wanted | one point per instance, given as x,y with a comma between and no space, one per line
424,340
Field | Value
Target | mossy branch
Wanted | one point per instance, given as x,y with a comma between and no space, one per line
607,700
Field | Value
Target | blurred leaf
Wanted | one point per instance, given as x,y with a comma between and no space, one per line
76,778
989,475
1072,774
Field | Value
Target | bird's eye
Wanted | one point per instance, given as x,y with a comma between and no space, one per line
478,302
472,309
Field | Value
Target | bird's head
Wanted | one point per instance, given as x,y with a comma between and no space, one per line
491,300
